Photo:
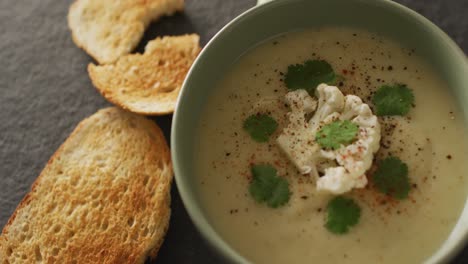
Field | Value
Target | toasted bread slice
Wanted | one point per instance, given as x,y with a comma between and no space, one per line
148,83
108,29
102,198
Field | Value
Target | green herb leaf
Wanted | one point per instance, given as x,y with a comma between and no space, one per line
268,187
336,134
391,178
260,127
342,213
309,75
393,100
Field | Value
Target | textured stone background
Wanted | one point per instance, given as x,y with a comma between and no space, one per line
45,92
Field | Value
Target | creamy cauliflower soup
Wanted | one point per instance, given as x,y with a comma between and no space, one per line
332,146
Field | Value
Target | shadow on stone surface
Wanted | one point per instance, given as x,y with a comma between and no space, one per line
183,242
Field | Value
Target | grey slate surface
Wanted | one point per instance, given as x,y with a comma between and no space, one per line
45,91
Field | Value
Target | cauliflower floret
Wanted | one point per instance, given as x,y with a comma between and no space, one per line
337,184
300,101
297,139
352,161
330,101
355,158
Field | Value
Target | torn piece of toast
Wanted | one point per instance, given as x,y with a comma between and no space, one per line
108,29
148,83
104,197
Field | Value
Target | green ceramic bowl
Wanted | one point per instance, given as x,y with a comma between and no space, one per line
277,17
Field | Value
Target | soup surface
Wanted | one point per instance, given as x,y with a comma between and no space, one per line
430,140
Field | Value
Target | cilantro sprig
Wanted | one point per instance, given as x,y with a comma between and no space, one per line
309,75
268,187
260,127
392,100
391,178
342,213
337,133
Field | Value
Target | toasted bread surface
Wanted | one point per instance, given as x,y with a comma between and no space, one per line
108,29
103,197
148,83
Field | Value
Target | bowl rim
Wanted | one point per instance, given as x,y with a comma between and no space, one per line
199,218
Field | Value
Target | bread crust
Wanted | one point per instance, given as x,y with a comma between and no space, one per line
103,197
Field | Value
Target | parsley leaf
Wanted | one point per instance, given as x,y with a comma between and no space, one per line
267,187
342,213
393,100
391,178
337,133
260,127
309,75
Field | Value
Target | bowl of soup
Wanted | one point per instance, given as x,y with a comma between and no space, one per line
329,131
